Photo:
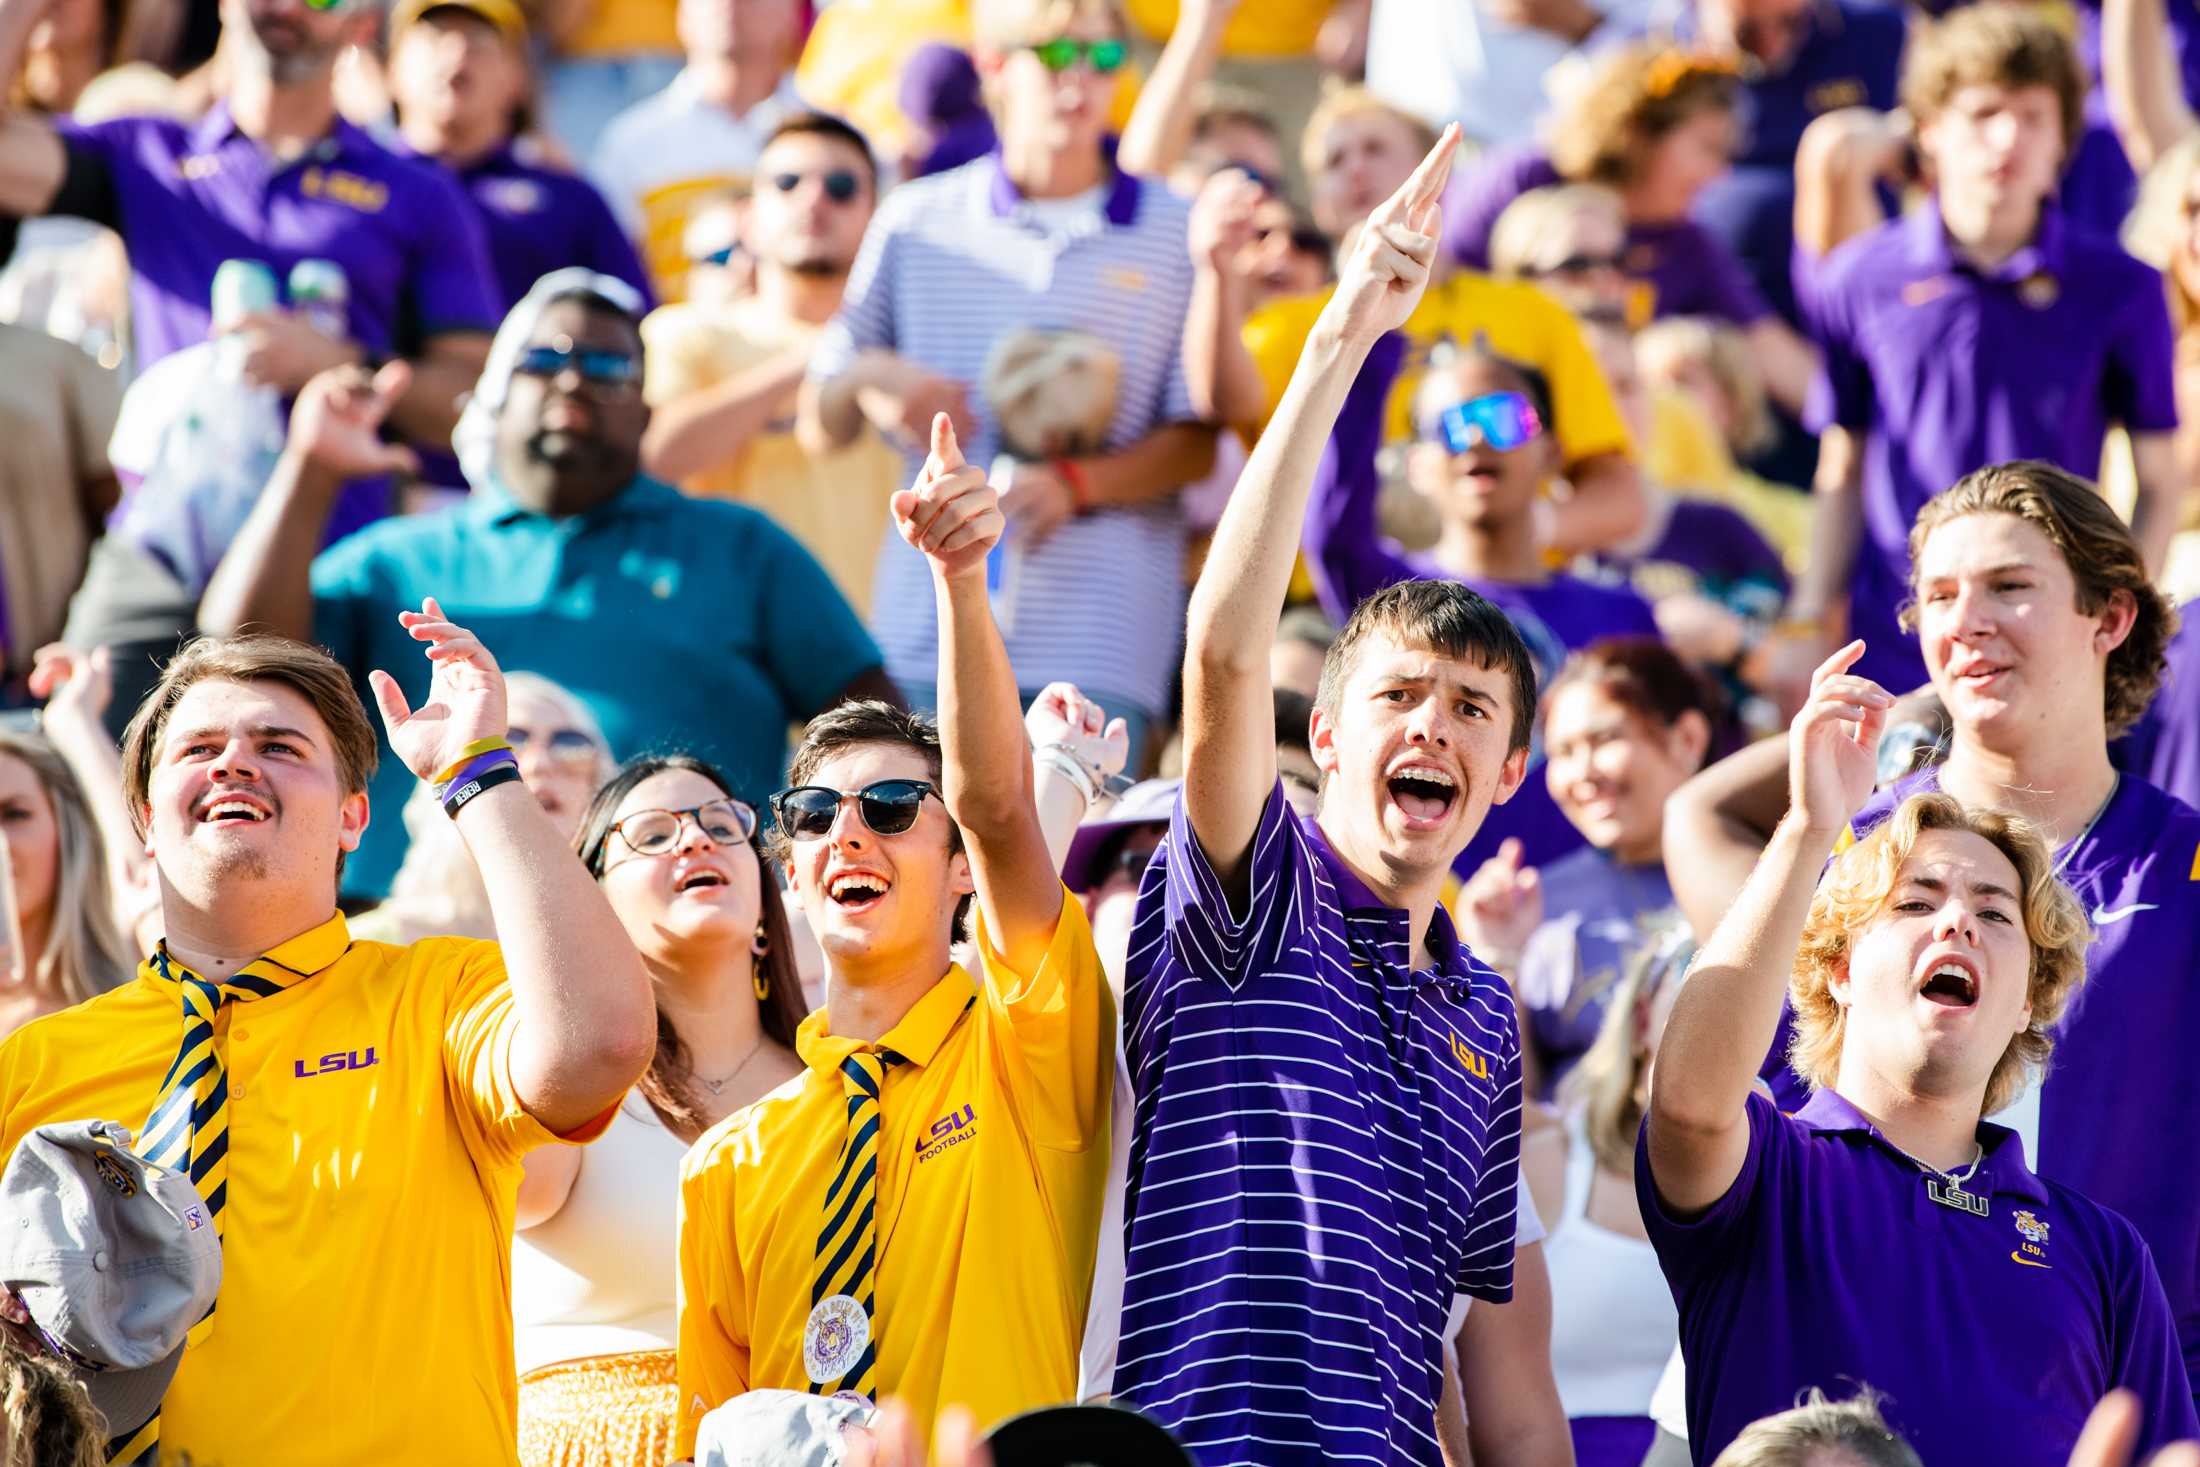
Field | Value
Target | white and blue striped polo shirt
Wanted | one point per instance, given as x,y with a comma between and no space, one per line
950,265
1325,1150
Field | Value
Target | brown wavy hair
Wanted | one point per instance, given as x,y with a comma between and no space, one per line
669,1082
1856,889
1993,45
1605,131
2095,544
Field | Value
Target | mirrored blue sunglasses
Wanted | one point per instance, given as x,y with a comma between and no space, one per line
1503,420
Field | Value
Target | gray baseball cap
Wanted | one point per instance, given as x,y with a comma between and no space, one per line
116,1259
778,1428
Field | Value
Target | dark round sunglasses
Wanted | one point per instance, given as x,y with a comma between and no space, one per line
888,807
729,822
840,184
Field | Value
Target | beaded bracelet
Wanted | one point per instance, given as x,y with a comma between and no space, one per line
480,784
1067,762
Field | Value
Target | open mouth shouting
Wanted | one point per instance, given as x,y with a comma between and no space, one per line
1424,794
231,808
855,891
699,878
1951,983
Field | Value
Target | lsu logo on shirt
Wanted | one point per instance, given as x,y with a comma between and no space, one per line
952,1129
1474,1061
334,1064
2032,1251
349,189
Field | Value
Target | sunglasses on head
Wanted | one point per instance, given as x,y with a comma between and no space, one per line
1503,420
888,807
653,832
1062,54
597,368
840,184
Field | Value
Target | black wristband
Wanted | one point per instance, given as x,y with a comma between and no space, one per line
466,793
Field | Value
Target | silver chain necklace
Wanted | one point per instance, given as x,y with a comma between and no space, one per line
1946,1188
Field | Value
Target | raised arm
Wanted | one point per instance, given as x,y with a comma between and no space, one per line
1729,1009
1716,827
2146,96
586,1021
1160,126
265,578
1219,370
1229,709
954,516
1075,750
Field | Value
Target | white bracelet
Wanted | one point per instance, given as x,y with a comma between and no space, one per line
1064,760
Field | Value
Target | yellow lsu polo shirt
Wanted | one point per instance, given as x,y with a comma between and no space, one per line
1520,321
375,1141
993,1166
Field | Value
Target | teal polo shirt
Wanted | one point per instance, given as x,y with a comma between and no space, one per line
688,625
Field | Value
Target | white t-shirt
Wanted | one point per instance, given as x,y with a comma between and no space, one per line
1452,63
601,1276
668,153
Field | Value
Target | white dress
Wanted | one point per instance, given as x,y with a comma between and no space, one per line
600,1277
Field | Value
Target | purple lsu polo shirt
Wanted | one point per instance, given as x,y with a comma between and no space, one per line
2119,1111
1325,1148
1351,560
1946,368
1827,1265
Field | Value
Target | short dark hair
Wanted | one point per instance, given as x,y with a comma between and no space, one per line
1449,620
597,304
1537,386
1294,720
825,125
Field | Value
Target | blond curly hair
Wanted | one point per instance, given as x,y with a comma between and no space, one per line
1605,130
1856,889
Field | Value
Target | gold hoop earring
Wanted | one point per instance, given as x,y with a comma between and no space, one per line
760,947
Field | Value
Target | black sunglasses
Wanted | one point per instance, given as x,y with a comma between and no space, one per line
888,807
653,832
597,368
840,184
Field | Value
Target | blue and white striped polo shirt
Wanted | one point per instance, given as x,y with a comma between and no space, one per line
1325,1150
950,265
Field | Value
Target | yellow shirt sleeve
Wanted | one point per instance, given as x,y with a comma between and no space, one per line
1060,1067
1589,423
676,353
478,1029
713,1301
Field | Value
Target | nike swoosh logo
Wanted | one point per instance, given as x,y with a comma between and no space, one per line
2109,916
2016,1257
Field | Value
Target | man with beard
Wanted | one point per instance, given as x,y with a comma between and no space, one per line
272,174
723,375
662,612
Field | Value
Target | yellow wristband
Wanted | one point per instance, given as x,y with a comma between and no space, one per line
472,751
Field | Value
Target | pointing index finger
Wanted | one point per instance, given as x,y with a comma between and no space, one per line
945,449
1427,183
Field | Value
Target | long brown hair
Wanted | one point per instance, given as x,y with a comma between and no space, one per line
86,953
669,1083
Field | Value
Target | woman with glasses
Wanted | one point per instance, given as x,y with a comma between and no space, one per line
593,1263
437,892
1657,126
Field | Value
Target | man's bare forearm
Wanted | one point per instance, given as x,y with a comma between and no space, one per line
428,409
701,430
265,580
1156,466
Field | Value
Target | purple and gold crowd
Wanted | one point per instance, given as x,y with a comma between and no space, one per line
1151,733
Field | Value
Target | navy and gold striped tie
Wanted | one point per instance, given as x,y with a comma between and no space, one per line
847,1246
188,1128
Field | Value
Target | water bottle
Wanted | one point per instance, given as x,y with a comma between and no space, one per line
321,290
241,287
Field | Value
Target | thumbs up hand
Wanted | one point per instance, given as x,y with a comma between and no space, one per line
951,513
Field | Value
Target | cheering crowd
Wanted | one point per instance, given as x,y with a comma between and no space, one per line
1000,733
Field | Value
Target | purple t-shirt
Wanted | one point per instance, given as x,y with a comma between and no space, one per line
1825,1264
1351,561
1597,908
1688,270
2163,748
1325,1150
186,197
2123,1063
1945,368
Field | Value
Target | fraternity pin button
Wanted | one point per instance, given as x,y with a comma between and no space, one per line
835,1338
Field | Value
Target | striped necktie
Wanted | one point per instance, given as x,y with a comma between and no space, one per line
847,1246
189,1124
